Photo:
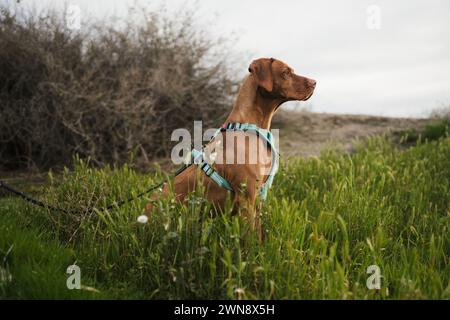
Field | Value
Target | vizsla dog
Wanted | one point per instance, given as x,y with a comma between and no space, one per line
269,84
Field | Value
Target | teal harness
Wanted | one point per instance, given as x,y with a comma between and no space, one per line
266,135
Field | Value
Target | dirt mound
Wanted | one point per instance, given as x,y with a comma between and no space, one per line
307,134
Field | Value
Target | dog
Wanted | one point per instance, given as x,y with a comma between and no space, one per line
269,84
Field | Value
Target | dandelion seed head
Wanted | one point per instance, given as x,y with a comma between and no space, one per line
142,219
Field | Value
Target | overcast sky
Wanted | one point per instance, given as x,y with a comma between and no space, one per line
401,68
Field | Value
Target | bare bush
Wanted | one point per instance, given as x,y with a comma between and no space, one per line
105,93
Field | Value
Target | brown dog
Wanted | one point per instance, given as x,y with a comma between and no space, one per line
270,83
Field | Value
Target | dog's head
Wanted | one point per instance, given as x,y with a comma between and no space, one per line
279,80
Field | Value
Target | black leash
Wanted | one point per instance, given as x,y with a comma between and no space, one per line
119,203
28,198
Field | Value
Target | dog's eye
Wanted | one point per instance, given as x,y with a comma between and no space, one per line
287,73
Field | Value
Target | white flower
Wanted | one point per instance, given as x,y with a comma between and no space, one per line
142,219
239,291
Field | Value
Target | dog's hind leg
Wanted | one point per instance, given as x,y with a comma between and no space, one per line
155,197
182,185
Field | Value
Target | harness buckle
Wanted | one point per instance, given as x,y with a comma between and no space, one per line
198,159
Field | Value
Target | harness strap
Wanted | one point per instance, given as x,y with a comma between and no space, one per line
198,157
266,135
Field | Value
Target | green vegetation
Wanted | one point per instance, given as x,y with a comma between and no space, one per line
327,220
435,130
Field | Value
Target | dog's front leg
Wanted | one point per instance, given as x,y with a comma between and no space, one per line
244,203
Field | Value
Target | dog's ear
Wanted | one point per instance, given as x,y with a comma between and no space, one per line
261,69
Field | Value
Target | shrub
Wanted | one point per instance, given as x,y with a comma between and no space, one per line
434,130
104,92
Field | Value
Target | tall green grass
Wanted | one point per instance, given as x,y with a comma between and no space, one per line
326,220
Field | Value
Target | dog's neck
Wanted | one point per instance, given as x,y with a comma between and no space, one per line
252,106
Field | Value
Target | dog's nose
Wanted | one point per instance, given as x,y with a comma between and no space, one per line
312,83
